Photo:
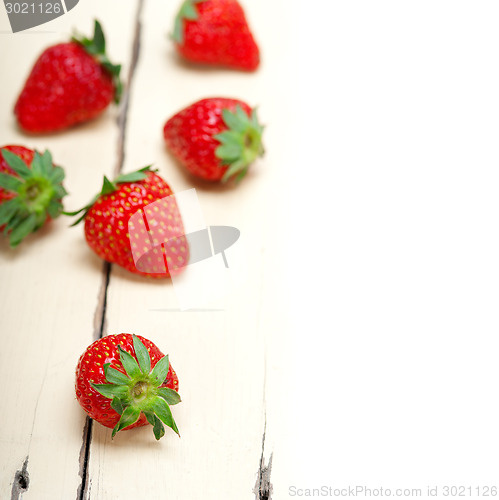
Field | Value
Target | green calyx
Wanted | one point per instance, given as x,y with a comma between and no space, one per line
109,187
96,47
139,390
38,193
187,11
241,144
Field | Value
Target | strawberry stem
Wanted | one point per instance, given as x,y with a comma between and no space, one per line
109,187
96,47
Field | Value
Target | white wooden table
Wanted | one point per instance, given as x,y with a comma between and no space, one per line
57,296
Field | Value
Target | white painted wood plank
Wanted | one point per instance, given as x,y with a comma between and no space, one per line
50,284
219,355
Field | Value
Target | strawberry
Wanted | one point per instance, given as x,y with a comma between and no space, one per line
70,83
215,32
31,191
116,231
216,138
124,381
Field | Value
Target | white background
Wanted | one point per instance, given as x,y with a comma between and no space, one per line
393,262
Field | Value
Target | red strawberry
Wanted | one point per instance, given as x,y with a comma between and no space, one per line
132,223
70,83
31,191
215,32
215,139
124,381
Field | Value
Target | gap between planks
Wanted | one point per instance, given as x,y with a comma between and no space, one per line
263,486
21,482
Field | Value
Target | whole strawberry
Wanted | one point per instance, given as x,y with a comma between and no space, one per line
124,381
216,138
215,32
135,222
70,83
31,191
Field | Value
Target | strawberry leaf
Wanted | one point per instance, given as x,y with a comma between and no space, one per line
8,210
238,168
9,182
108,187
171,396
22,230
162,410
57,175
129,363
229,153
158,428
240,143
14,221
111,390
114,376
160,371
241,115
233,121
150,417
16,163
129,416
133,176
37,165
142,355
77,221
60,192
54,209
117,405
99,40
47,162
